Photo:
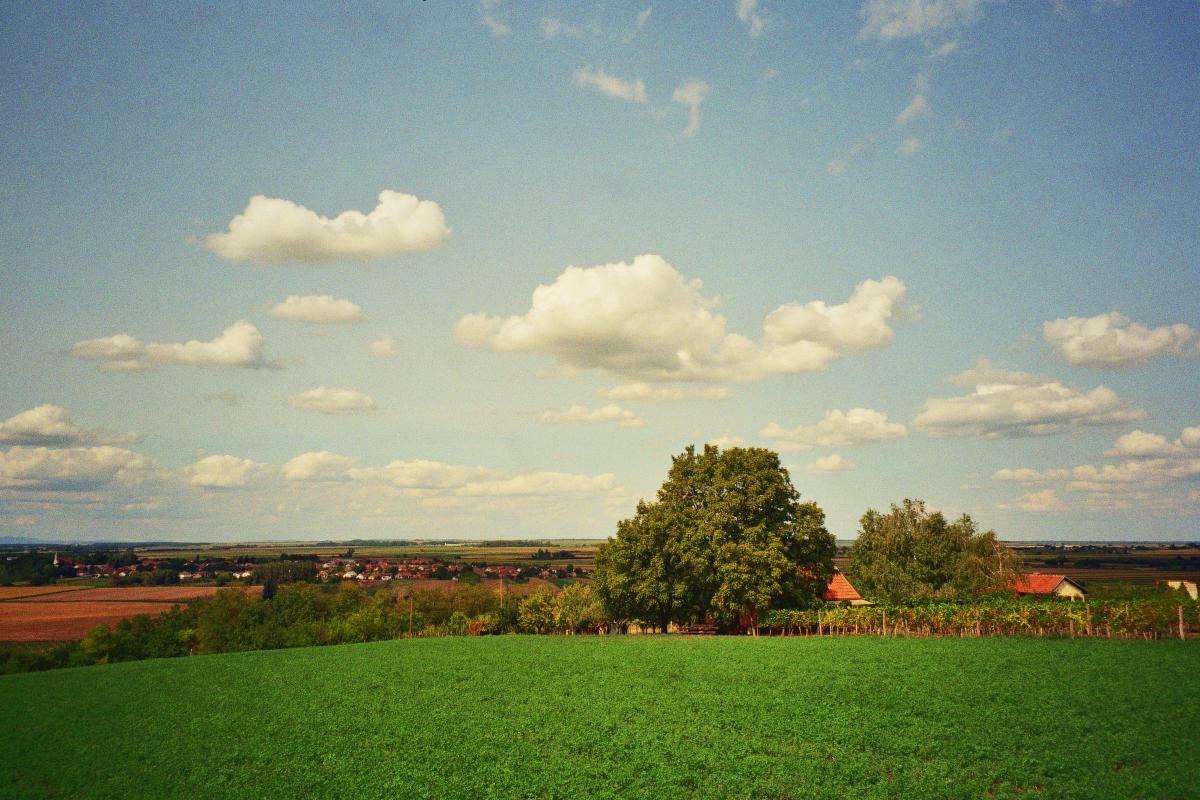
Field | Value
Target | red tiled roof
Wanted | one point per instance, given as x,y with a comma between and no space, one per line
1037,583
840,589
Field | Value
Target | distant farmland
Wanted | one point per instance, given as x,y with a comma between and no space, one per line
606,717
57,613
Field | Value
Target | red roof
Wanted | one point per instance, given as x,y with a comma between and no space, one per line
840,589
1037,583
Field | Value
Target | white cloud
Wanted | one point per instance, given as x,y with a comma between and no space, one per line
899,19
1114,341
643,321
837,166
239,345
601,81
327,400
1018,404
72,469
830,463
319,308
432,478
645,392
225,472
494,22
909,146
539,484
552,27
1046,500
582,415
726,442
317,467
1140,444
691,94
916,107
638,23
51,426
274,231
837,429
945,49
747,12
383,347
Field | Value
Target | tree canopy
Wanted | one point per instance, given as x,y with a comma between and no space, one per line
727,536
913,553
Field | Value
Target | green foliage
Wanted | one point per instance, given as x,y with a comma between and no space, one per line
618,717
727,536
913,554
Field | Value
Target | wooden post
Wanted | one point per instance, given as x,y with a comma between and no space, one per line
819,623
1072,621
1182,635
883,630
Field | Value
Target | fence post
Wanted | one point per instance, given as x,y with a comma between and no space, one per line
883,630
1182,635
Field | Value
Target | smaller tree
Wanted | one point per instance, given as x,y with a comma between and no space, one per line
911,553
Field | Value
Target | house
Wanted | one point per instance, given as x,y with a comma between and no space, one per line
840,591
1187,586
1037,583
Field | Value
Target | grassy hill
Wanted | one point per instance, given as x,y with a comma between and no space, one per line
617,717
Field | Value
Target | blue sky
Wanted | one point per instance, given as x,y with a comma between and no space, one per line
933,248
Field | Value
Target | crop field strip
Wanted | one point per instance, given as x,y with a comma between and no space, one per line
140,594
58,622
645,717
24,592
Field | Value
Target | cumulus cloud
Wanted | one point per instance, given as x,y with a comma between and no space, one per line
837,429
225,472
582,415
644,321
383,347
645,392
553,27
72,469
691,94
51,426
1045,500
900,19
319,308
328,400
1155,475
317,467
830,463
275,231
917,107
239,345
747,12
1014,404
1114,341
610,85
1140,444
909,146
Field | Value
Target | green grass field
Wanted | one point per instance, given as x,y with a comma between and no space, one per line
646,717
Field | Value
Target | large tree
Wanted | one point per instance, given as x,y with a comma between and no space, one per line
727,536
912,553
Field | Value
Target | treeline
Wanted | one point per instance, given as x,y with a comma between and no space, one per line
1157,618
307,614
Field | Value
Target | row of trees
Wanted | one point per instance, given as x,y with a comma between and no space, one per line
728,539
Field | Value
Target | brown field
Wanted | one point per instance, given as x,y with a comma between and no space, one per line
141,594
13,592
56,622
